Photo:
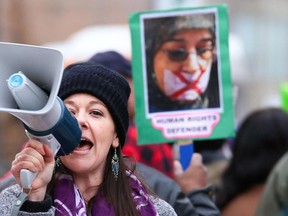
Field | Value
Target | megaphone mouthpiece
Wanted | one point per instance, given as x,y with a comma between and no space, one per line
26,94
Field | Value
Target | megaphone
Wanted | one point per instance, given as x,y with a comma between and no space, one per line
30,78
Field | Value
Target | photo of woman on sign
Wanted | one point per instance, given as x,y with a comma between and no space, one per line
181,62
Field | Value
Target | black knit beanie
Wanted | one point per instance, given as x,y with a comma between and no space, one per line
105,84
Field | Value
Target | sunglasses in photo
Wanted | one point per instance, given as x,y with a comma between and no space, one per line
179,55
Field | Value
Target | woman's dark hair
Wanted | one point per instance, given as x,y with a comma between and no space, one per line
117,193
259,143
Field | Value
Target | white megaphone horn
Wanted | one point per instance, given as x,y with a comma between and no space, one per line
30,78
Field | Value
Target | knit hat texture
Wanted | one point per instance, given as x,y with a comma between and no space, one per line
114,61
105,84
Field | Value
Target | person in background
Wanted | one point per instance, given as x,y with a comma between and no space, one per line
181,61
274,200
260,142
95,179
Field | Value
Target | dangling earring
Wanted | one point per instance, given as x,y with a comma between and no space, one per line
58,163
115,164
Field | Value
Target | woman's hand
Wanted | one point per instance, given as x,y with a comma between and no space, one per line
194,177
36,157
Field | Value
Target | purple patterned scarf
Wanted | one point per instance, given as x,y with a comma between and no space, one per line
69,202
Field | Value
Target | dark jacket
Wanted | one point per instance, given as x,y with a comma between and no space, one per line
196,203
274,200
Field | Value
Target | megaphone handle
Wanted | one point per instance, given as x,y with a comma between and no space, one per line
26,176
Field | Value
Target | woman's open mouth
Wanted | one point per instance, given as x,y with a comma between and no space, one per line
85,145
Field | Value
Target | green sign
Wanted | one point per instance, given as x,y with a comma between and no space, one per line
181,74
